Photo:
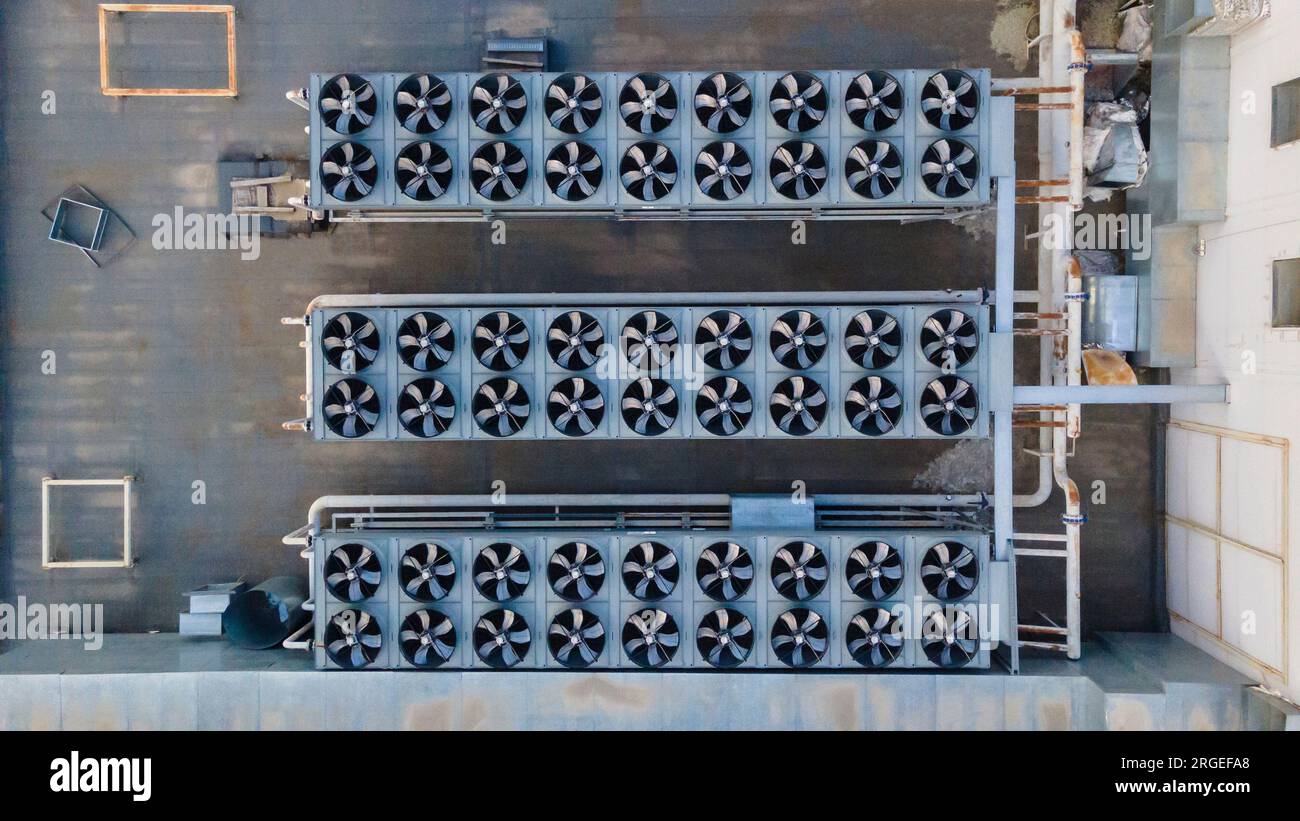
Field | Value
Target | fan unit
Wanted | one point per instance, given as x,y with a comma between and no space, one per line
576,571
348,171
426,408
723,102
800,637
427,639
950,571
427,572
500,340
949,406
950,100
874,570
873,406
348,103
874,637
798,169
650,571
498,103
798,339
575,406
950,168
873,169
649,406
874,101
350,342
501,571
498,171
353,639
501,407
576,638
949,338
724,340
422,103
573,171
648,170
725,637
351,408
425,341
949,640
574,340
647,103
649,340
799,570
501,638
724,406
353,572
723,171
724,571
423,171
798,405
650,638
873,339
573,103
798,101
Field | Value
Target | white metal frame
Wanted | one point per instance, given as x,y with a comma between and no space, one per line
126,483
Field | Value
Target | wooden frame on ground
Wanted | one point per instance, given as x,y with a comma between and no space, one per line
231,89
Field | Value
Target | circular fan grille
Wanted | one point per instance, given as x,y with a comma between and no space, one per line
798,405
573,103
874,101
427,572
873,406
498,171
501,407
950,100
724,340
800,637
573,171
648,171
874,570
873,169
724,406
650,638
575,406
723,102
574,340
501,571
576,638
576,571
950,640
798,101
426,408
350,341
650,571
427,638
724,571
949,338
500,340
348,171
649,406
649,340
647,103
422,103
348,103
798,339
423,171
949,406
351,408
950,168
723,170
353,639
950,571
353,572
873,339
425,341
725,637
497,103
798,169
874,637
501,638
799,570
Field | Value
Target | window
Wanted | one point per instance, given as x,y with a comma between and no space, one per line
1286,113
1286,293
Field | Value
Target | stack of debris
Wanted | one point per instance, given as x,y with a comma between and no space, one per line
206,606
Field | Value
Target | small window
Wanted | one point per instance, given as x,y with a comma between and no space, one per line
1286,113
1286,293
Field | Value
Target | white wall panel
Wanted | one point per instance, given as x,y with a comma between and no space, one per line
1252,592
1252,501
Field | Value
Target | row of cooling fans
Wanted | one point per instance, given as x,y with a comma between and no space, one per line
649,170
799,570
650,638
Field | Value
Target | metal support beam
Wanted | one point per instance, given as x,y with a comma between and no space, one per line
1120,394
